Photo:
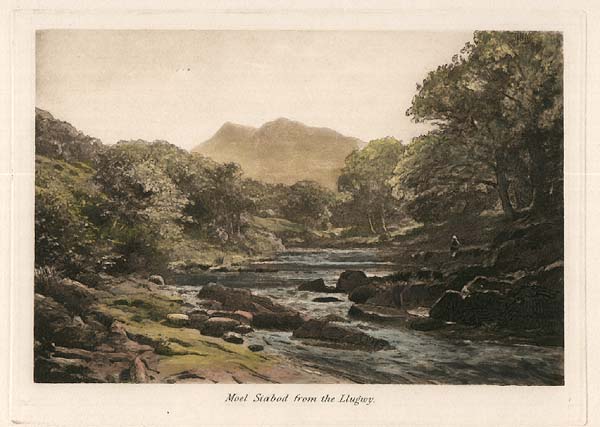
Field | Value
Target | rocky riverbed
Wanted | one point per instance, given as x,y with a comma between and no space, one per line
307,316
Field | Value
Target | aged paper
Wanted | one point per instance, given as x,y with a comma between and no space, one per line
247,64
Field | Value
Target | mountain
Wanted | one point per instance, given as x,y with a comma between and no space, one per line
282,151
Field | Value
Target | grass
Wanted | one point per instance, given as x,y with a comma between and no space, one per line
180,349
279,225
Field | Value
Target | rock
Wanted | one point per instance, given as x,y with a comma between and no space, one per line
239,315
527,245
178,319
376,313
448,308
255,347
482,283
197,319
243,329
244,316
211,304
233,338
287,321
420,295
474,309
399,276
157,279
483,307
388,297
74,296
534,306
426,324
549,276
238,299
458,279
362,293
350,280
54,324
317,285
327,299
138,371
339,334
425,274
61,370
217,326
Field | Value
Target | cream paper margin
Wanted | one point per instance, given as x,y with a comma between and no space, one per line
188,404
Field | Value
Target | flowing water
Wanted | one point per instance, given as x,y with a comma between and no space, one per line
414,357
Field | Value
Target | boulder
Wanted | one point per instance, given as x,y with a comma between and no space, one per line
244,316
534,306
74,296
238,299
233,338
217,326
243,329
362,293
54,324
281,321
211,304
425,274
527,245
420,295
339,334
448,308
197,319
138,372
350,280
458,279
157,279
327,299
178,319
317,285
483,307
387,297
255,347
482,283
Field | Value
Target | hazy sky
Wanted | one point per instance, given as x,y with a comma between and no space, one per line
181,86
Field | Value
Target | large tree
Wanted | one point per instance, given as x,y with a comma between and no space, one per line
501,100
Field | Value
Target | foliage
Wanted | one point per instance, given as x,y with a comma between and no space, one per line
434,180
365,182
64,194
308,203
499,102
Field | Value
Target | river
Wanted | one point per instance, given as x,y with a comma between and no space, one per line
415,357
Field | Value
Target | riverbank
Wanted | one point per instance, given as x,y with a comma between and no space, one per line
120,331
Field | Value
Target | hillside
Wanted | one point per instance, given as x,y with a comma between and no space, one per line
282,151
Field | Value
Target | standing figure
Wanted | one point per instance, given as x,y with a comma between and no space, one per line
454,245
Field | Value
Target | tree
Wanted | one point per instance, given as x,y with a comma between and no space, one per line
144,204
308,203
434,180
365,179
501,98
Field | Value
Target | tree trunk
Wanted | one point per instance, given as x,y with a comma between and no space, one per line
502,189
371,224
538,177
383,219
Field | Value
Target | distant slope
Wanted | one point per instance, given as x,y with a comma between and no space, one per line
282,151
60,140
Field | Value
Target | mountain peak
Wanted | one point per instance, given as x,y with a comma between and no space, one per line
282,151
